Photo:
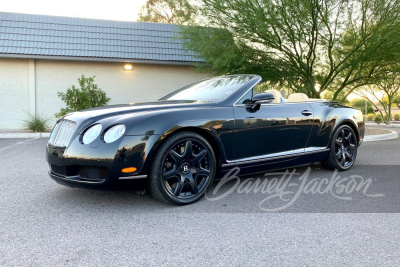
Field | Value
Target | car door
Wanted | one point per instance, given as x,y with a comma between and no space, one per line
275,130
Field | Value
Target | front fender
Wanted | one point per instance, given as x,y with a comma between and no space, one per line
216,124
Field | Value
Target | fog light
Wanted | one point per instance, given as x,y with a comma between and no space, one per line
128,170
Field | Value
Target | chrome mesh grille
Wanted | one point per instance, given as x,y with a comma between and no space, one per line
62,132
92,173
60,170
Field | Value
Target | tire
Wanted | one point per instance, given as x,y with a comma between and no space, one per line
183,169
343,150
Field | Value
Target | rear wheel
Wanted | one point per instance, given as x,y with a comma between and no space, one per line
343,151
183,169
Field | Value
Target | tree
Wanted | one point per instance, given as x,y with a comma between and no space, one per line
310,46
360,103
168,12
87,96
384,91
396,99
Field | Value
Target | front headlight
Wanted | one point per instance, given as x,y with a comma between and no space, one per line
91,134
114,133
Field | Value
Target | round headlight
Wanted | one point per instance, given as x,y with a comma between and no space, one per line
114,133
91,134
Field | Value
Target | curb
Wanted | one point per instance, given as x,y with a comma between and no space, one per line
24,135
381,137
393,125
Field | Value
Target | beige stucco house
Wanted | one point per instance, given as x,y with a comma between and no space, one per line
43,55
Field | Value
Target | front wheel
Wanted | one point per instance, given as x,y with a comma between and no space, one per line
183,169
343,151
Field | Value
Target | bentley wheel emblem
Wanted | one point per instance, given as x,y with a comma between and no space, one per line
185,168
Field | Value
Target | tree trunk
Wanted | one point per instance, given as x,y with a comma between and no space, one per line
389,112
311,88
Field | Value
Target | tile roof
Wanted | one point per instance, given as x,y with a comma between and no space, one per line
52,36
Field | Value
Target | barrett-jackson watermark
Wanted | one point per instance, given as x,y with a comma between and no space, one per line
289,186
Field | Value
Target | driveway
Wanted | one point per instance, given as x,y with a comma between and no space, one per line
45,224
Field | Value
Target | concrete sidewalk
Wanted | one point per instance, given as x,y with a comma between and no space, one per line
392,125
6,134
381,137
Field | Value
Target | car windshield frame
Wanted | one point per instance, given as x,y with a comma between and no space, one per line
226,86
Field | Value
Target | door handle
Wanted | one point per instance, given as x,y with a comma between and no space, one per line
306,113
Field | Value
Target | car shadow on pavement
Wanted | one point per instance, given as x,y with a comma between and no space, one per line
305,189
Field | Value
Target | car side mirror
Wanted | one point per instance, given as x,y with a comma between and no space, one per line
263,98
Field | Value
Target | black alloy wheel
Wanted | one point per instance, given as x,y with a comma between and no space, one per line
183,169
343,149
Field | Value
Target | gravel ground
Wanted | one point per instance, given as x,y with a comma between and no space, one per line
374,131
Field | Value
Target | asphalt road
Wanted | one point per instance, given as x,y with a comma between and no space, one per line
45,224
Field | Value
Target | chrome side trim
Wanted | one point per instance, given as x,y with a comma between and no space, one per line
133,177
272,104
228,164
310,150
301,151
264,157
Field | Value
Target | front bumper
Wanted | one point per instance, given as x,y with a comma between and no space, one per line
99,165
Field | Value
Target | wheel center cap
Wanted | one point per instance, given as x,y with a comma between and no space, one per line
185,168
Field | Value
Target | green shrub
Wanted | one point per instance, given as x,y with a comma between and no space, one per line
378,119
359,103
370,116
387,116
87,96
396,116
36,123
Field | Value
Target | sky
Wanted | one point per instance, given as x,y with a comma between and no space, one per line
126,10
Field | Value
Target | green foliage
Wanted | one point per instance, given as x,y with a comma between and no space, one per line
88,95
387,117
378,119
36,123
370,116
383,91
329,95
218,48
396,116
359,103
168,12
396,99
332,45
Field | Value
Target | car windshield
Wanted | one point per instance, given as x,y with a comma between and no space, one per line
215,89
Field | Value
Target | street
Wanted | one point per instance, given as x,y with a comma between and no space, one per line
46,224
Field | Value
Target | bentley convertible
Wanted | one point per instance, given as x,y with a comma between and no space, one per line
187,139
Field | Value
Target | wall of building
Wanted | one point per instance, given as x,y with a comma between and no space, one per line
145,82
14,92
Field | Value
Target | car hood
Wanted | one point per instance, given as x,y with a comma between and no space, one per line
95,114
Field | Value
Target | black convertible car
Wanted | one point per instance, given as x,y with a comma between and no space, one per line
185,140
